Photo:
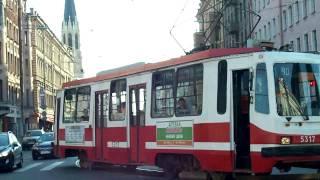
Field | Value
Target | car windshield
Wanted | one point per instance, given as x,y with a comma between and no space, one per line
297,88
46,137
4,140
34,133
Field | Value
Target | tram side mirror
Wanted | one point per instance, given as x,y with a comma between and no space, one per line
69,97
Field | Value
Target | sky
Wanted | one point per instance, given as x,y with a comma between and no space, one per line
115,33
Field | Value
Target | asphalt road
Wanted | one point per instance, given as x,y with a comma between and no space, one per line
66,169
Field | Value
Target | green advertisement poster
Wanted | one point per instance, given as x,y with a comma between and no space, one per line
176,133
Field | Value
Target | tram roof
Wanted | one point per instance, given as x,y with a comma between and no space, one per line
211,53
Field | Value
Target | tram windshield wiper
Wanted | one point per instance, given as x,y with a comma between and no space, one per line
289,103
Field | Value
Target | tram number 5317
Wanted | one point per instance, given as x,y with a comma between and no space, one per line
307,139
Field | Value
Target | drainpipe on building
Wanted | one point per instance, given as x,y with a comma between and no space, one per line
281,23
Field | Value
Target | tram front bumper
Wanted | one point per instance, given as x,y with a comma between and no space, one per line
291,151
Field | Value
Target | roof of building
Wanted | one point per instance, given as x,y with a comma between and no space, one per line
70,11
211,53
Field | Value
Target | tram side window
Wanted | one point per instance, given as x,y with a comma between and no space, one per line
83,103
261,90
162,94
189,90
105,107
118,100
69,110
222,87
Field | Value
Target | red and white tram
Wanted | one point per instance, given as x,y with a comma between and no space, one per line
219,110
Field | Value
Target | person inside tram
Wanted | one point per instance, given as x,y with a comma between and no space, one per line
120,113
182,107
85,116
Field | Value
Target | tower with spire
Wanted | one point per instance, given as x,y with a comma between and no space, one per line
71,36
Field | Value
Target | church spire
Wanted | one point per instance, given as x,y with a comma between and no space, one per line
71,36
69,11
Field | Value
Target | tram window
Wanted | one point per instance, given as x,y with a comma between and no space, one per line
162,94
98,108
69,110
222,87
189,90
83,103
76,105
105,107
297,89
261,90
101,106
118,100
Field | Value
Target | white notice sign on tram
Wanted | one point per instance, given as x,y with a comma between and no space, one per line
74,134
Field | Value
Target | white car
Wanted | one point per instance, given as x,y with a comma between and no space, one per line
31,137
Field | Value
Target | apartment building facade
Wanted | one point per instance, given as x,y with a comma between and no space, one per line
210,18
224,23
48,64
289,22
10,92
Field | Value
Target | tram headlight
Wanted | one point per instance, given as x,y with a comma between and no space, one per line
285,140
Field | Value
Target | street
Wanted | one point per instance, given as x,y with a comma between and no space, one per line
66,169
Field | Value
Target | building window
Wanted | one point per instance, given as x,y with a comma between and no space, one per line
269,31
25,38
292,45
70,40
305,8
306,43
118,100
264,32
314,40
274,27
298,45
64,38
162,94
27,67
290,15
222,87
261,89
313,6
189,90
297,5
76,41
260,34
285,23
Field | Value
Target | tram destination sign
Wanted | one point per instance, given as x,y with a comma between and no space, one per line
74,134
175,133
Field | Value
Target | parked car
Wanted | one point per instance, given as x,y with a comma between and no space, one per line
10,151
31,137
44,146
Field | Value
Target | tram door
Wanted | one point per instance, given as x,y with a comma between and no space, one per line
101,112
137,120
241,120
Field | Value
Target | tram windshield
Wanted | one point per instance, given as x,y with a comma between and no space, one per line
297,88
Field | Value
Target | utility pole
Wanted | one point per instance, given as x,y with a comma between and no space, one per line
20,14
